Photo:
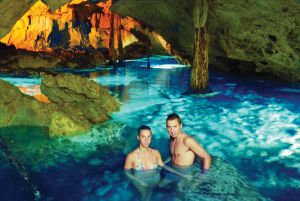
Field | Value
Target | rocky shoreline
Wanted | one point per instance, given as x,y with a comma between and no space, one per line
75,105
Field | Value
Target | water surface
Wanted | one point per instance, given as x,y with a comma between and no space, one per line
250,125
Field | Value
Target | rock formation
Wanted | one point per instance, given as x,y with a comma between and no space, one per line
79,23
261,36
23,61
84,101
11,11
76,104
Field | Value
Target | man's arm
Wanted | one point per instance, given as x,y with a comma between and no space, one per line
162,165
175,172
158,158
199,151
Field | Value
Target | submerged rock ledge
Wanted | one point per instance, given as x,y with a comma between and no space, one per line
77,103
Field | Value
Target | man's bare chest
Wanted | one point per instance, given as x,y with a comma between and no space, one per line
178,149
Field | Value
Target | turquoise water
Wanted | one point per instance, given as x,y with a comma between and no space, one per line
251,126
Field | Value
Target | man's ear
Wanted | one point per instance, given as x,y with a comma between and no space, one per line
181,126
138,137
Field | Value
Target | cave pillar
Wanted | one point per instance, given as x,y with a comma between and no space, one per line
199,71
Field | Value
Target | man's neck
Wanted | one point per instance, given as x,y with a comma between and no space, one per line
178,137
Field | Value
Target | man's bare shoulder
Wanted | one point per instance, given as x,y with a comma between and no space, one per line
189,140
187,137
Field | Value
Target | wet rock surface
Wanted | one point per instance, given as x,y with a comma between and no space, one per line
17,108
76,105
22,61
84,101
14,60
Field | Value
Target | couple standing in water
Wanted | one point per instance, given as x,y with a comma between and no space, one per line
142,164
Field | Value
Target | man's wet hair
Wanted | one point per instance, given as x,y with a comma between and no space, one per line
144,127
173,116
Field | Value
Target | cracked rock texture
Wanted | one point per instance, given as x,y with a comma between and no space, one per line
77,104
11,11
80,29
245,35
262,36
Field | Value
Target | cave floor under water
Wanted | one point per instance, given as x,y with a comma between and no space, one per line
251,127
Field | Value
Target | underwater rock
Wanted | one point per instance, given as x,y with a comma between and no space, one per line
63,124
222,182
262,33
31,145
95,162
83,101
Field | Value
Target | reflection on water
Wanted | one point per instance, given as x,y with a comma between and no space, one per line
253,124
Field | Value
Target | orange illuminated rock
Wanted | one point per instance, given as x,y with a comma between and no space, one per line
78,23
31,32
35,92
23,89
42,98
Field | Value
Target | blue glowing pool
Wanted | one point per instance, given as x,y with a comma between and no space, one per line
251,127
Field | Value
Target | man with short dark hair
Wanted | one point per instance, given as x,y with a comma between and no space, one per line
184,148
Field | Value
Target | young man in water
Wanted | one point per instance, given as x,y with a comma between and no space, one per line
184,150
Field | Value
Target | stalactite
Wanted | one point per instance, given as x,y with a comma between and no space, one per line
112,40
199,74
120,44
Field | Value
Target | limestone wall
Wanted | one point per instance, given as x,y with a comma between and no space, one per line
263,34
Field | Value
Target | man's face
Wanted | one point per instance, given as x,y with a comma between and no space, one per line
145,138
174,127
